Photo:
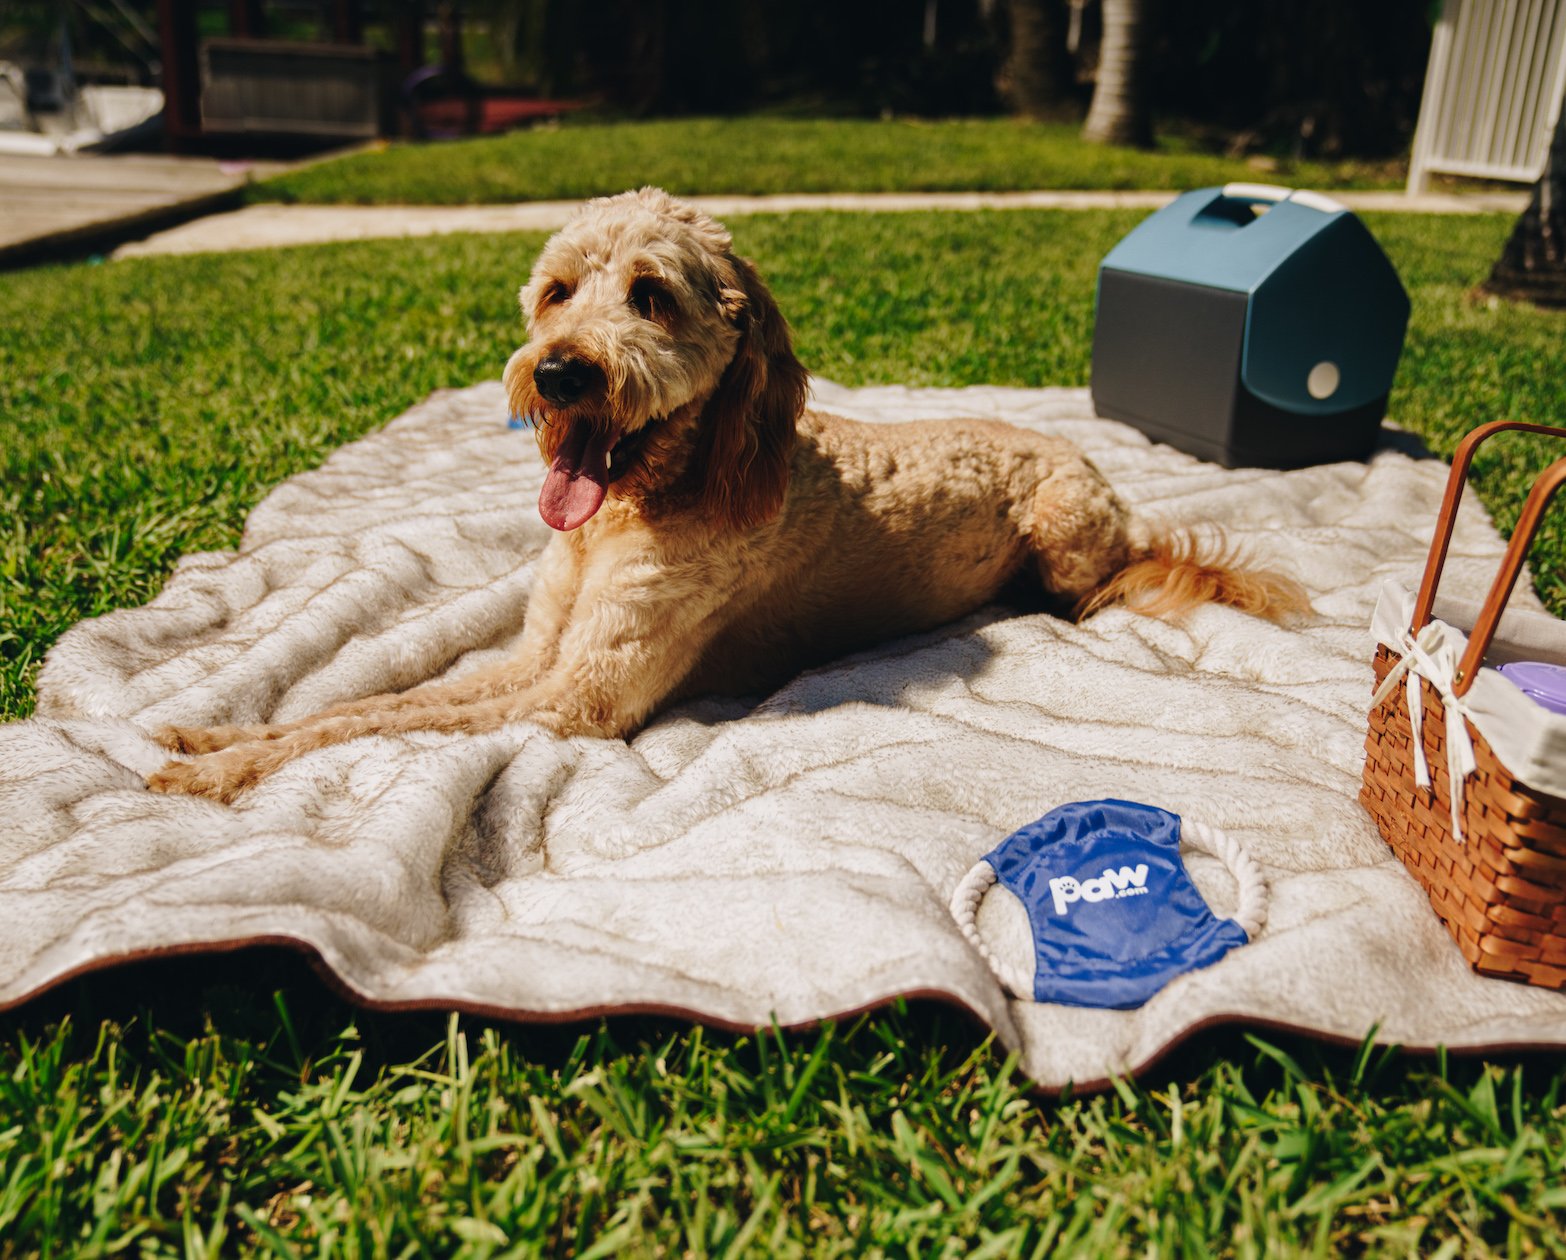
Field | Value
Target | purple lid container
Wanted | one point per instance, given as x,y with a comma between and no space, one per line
1541,682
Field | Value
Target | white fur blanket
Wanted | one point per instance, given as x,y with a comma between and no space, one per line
784,861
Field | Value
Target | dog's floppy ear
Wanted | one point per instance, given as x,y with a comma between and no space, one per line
747,427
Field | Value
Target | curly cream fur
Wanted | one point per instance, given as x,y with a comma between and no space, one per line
743,537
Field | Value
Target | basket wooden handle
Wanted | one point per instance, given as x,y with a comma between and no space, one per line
1455,481
1550,480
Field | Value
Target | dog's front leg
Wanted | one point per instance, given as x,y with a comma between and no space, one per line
549,606
223,775
613,667
618,665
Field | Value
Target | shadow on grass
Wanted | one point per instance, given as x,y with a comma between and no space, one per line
280,1001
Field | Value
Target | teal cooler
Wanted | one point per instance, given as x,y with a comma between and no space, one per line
1250,325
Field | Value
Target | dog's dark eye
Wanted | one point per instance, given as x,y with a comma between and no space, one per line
651,299
555,292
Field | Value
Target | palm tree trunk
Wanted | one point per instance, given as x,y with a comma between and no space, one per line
1119,113
1532,267
1037,77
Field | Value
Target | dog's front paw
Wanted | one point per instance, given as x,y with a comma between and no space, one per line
217,777
570,720
205,739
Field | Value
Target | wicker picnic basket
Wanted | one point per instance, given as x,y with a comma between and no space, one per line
1493,863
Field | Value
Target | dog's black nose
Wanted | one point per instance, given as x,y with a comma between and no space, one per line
562,379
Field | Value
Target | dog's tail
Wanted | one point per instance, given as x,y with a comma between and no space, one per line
1174,572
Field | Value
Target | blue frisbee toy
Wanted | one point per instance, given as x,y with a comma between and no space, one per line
1114,915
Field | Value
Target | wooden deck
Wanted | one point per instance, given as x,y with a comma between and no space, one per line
49,205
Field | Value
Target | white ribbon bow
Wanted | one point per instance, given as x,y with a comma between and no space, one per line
1431,657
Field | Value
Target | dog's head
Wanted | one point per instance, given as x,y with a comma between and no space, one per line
655,354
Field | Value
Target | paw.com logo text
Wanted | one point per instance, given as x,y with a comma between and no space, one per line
1128,881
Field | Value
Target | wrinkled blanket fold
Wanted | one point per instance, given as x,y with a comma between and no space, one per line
786,857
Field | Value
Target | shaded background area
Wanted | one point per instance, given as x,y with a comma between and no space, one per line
1332,78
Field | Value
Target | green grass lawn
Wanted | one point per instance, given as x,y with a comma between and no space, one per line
775,155
180,1108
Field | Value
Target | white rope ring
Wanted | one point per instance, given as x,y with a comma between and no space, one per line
1250,913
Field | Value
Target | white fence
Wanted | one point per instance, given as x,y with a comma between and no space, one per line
1493,90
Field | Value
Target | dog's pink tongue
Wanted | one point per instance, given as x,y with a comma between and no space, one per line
575,484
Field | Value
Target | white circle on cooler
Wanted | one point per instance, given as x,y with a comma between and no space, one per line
1323,379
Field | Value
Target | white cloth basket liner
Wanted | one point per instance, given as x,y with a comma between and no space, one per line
1529,739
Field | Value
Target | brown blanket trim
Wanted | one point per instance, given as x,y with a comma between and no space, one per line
578,1014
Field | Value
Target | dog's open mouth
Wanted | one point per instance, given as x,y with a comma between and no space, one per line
587,460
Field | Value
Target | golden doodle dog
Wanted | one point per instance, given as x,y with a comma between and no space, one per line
715,535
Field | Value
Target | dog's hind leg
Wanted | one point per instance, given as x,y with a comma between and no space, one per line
1079,532
1092,552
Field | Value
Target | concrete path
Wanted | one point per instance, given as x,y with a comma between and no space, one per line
269,226
49,203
